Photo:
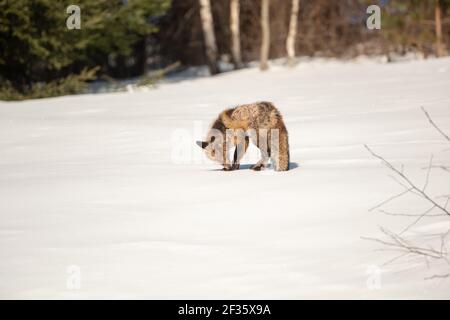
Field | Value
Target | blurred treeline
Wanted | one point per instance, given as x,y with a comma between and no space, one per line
40,56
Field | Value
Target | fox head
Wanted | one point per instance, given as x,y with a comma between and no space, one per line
213,147
215,144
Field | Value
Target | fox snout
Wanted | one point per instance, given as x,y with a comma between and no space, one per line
202,144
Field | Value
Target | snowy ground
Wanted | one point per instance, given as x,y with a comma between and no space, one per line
91,181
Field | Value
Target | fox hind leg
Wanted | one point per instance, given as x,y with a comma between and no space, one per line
263,163
280,150
262,143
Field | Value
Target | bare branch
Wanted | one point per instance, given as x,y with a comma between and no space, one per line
400,243
411,214
408,181
434,124
438,276
445,168
428,173
390,199
418,219
394,241
440,166
400,183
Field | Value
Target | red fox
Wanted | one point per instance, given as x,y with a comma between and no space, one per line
259,122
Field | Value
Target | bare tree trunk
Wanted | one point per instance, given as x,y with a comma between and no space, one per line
235,34
290,42
440,50
265,28
208,34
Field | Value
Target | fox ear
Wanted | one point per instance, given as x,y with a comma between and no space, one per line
202,144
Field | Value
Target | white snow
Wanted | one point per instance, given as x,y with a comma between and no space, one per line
91,181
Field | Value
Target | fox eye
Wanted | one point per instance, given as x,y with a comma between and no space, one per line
212,139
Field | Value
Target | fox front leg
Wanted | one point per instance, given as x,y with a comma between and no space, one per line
236,164
239,151
226,160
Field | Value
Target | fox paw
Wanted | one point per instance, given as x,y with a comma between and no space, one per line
235,166
258,167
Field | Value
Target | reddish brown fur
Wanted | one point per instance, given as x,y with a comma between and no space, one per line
256,120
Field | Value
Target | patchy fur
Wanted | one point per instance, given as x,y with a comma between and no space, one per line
260,122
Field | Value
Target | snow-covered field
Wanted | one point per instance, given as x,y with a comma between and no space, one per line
91,189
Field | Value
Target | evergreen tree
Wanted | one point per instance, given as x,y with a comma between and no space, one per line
36,45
